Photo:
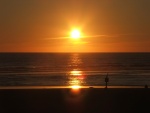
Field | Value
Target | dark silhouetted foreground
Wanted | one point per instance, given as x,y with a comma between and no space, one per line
67,101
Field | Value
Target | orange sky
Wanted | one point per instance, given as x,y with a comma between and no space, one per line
44,25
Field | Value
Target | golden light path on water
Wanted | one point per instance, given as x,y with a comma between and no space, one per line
76,79
76,76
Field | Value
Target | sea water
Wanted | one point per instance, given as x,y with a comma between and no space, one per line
69,69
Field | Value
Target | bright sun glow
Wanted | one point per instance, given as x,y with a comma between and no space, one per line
75,34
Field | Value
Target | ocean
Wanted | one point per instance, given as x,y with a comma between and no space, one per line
71,69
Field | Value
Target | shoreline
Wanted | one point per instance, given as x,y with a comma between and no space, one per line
70,87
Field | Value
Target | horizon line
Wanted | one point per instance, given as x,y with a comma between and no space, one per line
75,52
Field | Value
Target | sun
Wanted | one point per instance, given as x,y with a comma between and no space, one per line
75,34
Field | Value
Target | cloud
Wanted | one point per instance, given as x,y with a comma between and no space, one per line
57,38
106,39
118,38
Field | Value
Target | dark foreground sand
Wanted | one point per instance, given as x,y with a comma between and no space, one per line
86,100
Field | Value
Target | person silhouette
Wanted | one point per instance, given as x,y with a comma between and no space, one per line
146,86
106,80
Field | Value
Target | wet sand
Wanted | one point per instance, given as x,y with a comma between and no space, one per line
66,100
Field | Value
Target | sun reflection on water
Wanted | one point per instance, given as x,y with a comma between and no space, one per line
75,87
75,75
76,78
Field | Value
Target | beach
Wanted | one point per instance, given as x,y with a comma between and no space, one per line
67,100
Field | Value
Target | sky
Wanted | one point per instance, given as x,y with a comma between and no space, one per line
45,25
